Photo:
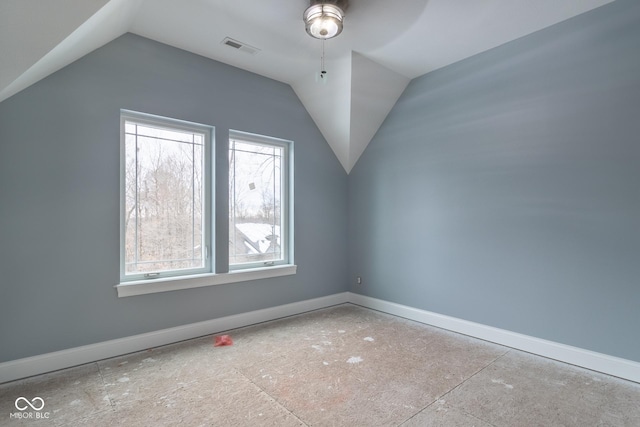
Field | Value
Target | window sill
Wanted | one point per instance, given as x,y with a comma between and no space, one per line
142,287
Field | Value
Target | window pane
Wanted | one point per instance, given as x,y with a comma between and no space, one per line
164,206
256,220
162,133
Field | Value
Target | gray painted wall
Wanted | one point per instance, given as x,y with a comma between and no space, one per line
59,196
505,189
502,189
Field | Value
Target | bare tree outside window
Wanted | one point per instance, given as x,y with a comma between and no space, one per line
164,199
256,199
167,189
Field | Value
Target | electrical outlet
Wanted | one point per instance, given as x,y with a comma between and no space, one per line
358,280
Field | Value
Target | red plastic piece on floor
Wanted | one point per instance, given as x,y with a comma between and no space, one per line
222,340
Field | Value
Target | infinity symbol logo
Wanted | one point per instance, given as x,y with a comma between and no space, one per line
33,403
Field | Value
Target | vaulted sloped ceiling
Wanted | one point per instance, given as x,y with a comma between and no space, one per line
383,46
24,23
352,104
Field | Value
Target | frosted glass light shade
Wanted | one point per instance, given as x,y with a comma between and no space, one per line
323,21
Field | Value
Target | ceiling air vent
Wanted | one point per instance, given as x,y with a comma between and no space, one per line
242,47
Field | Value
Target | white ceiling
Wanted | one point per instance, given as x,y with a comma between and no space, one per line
383,46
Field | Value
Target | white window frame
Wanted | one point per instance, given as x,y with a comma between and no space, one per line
286,209
179,125
127,288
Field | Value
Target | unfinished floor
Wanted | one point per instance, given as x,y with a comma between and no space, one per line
341,366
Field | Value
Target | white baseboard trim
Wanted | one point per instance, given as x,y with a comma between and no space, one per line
29,366
610,365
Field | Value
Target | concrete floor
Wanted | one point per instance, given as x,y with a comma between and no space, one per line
342,366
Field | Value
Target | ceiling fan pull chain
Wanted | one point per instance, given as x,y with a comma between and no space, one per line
323,72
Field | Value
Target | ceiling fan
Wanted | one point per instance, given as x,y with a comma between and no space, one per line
324,18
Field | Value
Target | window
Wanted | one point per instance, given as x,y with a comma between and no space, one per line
165,206
259,190
167,212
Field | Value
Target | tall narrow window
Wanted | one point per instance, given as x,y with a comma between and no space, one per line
258,201
165,212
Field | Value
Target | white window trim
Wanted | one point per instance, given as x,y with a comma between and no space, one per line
209,132
287,194
142,287
127,288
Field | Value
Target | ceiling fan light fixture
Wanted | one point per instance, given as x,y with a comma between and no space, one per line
323,21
